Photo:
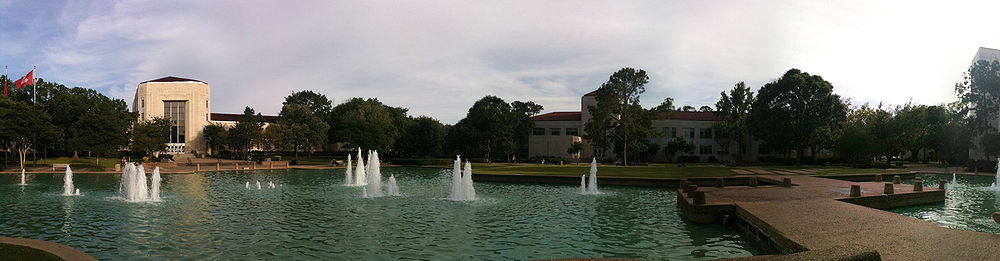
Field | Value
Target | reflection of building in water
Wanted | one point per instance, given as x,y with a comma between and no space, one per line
187,103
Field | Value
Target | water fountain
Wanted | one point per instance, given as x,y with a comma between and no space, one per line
258,184
590,187
374,175
154,181
359,172
393,189
461,182
270,184
22,178
996,184
133,185
67,183
248,185
348,179
583,184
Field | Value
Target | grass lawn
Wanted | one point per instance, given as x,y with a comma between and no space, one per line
82,163
655,170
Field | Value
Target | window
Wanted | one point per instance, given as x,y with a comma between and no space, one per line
690,132
176,112
670,132
705,133
573,131
705,150
538,131
554,131
598,152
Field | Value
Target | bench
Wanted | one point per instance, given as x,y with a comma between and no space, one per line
62,166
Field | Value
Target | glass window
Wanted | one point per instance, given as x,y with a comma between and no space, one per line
705,150
690,132
538,131
599,152
706,133
573,131
671,132
554,131
176,111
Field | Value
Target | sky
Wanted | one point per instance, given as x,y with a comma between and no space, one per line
438,57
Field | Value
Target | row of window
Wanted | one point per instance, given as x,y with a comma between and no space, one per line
672,132
556,131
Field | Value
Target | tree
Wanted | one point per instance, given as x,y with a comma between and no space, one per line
245,134
216,137
23,127
857,144
302,129
424,138
991,144
979,95
317,103
575,149
367,123
618,121
665,106
705,108
687,108
151,136
488,127
733,111
103,129
521,112
797,111
678,145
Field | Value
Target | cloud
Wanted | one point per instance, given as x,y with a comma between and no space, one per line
436,58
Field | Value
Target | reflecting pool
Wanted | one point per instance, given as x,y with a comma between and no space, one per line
969,205
310,215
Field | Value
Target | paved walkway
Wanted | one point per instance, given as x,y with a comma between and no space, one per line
813,215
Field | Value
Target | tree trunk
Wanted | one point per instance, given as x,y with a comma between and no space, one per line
625,159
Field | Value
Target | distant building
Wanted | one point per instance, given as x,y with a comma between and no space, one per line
187,103
555,132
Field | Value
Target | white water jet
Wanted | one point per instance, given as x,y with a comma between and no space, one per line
68,184
348,179
996,184
133,185
22,178
456,179
258,184
270,184
359,171
592,187
248,185
364,192
374,176
583,184
461,183
393,188
154,181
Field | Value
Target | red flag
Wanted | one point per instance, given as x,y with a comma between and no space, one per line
26,80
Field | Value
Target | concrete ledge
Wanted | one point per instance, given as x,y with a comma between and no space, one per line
616,181
898,199
62,251
837,253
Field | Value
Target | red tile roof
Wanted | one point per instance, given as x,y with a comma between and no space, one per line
236,117
558,116
173,79
690,116
593,93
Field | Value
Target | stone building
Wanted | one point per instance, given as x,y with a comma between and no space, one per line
187,103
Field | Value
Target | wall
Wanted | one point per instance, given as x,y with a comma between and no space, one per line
197,95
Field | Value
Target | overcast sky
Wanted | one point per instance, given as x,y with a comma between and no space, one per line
437,57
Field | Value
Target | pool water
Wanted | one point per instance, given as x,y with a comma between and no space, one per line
968,206
309,215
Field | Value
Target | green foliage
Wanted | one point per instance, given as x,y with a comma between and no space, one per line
991,144
216,137
797,111
317,103
665,106
521,113
733,110
979,95
301,129
678,146
103,128
151,136
618,121
246,133
486,129
575,149
368,124
23,127
423,139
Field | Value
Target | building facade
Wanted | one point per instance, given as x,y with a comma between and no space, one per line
983,54
555,132
187,104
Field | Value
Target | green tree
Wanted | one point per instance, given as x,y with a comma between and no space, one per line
424,138
487,128
521,116
151,136
575,149
368,124
733,110
799,111
302,128
678,146
245,134
667,105
317,103
618,121
216,137
979,95
103,129
991,144
23,127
